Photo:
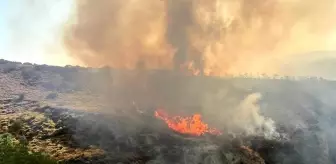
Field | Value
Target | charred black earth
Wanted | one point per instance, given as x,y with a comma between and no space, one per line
87,115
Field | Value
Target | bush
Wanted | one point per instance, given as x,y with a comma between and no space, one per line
8,68
12,152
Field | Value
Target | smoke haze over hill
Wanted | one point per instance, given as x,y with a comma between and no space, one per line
217,37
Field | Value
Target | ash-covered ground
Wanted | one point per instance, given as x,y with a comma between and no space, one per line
88,115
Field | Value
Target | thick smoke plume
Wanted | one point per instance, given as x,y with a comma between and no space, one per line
216,37
119,33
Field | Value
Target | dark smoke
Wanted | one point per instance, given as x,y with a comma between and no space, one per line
179,18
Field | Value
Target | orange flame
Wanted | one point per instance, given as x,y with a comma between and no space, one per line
186,125
189,68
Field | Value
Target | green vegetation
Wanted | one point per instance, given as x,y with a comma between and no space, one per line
13,152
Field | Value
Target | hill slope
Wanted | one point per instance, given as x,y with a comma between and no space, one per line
86,114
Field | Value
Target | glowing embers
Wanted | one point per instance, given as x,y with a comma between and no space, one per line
186,125
190,69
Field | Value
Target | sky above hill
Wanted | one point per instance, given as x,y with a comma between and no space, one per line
30,31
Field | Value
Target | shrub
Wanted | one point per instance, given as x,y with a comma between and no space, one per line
12,152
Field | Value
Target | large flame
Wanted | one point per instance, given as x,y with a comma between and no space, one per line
186,125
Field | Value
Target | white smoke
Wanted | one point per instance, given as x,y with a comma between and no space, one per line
242,118
247,117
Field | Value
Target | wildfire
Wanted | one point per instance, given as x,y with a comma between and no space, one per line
191,69
186,125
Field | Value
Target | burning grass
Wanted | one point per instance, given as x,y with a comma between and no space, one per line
186,125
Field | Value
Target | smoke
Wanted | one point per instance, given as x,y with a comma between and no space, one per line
218,36
243,117
247,116
261,35
122,34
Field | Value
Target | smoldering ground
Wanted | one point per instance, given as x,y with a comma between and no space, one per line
298,112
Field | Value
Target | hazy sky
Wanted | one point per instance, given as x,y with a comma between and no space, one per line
30,31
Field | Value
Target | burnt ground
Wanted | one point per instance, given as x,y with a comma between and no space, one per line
86,115
76,137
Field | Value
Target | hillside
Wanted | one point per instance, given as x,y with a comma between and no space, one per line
90,115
